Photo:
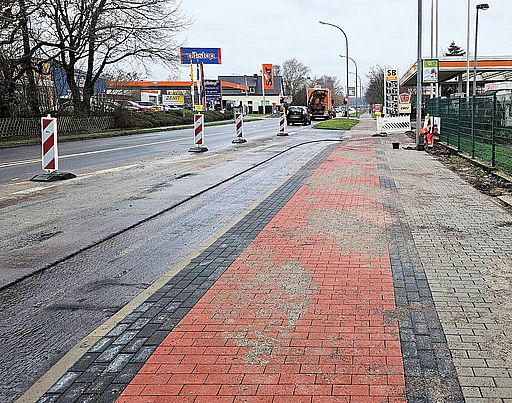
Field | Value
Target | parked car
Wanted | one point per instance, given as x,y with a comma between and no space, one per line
147,106
168,108
298,114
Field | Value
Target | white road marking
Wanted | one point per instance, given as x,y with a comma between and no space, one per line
32,161
108,171
33,190
82,176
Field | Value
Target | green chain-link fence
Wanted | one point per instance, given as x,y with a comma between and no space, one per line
479,126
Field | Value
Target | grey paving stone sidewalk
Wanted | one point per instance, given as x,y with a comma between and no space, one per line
464,241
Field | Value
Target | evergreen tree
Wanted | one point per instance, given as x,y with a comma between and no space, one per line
454,50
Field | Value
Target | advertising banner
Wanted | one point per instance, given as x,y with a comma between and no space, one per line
391,90
200,55
212,90
430,71
268,76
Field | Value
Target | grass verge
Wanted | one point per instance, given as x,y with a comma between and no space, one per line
337,124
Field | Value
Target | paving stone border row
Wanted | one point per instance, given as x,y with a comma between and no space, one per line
107,368
430,374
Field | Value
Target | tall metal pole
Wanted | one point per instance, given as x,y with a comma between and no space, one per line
436,53
263,90
476,51
347,53
419,72
431,41
355,64
467,49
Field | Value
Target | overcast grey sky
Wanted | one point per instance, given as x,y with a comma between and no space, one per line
379,32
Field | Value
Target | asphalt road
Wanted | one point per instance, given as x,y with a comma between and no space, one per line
46,314
18,164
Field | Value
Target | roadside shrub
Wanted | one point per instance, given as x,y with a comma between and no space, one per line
145,120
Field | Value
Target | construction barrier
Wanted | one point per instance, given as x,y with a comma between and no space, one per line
394,124
50,155
198,134
239,127
282,124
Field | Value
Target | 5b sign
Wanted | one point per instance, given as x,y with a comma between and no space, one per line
391,74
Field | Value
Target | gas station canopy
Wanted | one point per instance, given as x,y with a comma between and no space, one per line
490,69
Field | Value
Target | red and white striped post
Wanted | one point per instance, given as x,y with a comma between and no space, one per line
282,124
49,155
239,126
198,134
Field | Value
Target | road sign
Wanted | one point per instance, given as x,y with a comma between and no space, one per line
377,108
391,89
430,71
200,55
351,91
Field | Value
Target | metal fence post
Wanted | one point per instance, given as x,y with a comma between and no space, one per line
449,104
493,142
458,128
473,99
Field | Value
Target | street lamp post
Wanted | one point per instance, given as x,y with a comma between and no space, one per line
478,8
419,73
357,75
346,42
467,49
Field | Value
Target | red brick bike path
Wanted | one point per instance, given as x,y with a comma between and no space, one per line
305,314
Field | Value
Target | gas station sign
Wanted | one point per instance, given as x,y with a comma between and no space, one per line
391,89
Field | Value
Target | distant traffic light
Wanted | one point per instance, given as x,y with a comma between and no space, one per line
345,100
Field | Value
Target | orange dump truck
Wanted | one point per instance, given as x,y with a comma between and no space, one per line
320,103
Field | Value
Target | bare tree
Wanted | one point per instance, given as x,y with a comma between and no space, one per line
375,90
96,34
295,80
21,63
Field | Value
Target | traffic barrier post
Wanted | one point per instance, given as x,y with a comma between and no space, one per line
50,154
199,146
282,125
239,127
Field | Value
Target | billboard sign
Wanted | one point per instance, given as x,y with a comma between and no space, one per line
173,99
430,71
391,90
212,90
268,76
200,56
